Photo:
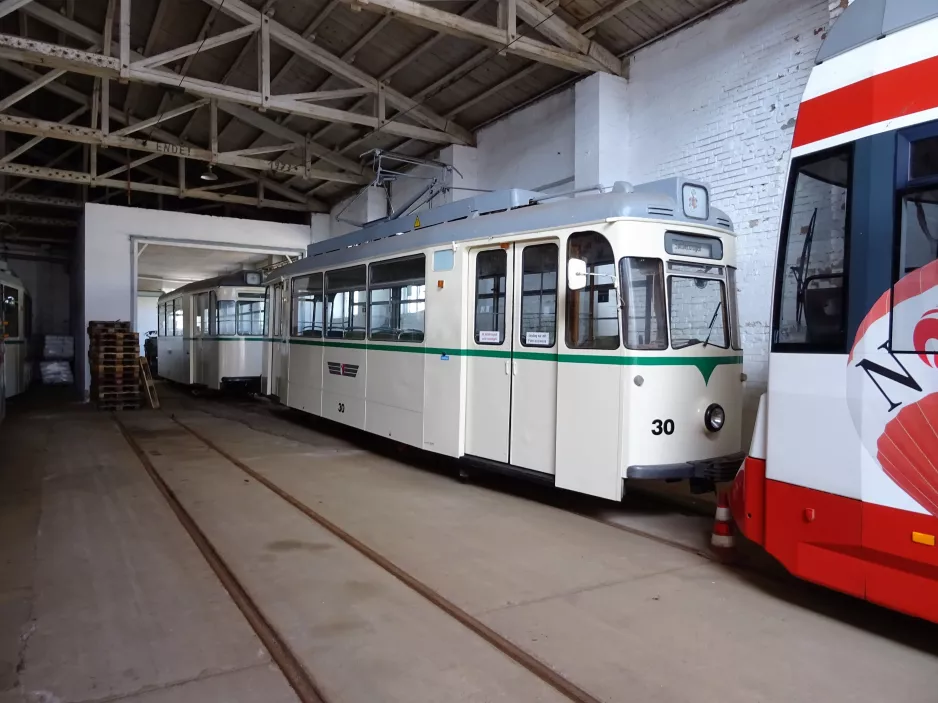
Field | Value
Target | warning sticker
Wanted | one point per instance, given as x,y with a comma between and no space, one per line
417,223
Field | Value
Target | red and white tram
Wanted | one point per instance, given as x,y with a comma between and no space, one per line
841,484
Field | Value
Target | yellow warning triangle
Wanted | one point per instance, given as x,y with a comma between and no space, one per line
417,222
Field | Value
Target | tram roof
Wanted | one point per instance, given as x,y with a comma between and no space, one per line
502,213
866,21
237,278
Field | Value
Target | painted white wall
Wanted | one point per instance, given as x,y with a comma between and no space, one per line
105,254
367,206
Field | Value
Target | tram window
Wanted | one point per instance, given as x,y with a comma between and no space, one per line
161,320
398,293
644,317
201,317
491,272
698,312
178,326
11,312
345,303
810,308
539,295
227,323
307,306
212,326
250,318
593,311
918,247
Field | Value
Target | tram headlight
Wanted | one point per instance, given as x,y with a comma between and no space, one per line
714,417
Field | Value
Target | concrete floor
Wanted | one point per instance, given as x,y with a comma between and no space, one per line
103,596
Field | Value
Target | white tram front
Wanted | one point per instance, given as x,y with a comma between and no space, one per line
16,316
581,340
211,332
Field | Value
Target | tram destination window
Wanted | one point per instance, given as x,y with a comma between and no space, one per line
644,317
539,295
593,312
307,306
491,272
398,293
810,305
345,303
250,318
11,312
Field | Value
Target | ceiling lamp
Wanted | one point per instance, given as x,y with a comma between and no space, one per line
209,175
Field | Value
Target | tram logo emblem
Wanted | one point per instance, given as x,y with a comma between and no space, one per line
893,398
338,369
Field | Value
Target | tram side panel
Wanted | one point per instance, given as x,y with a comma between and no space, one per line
305,362
344,382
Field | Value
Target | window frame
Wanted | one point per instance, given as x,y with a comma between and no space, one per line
475,300
371,287
613,291
234,318
178,307
3,317
626,297
249,303
723,312
319,306
329,305
795,167
540,292
160,320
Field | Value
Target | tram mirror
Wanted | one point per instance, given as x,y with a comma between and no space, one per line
576,274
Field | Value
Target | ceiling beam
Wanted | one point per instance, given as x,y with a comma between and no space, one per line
156,25
558,31
69,93
37,138
87,135
38,221
453,24
80,178
605,13
321,57
31,88
9,6
41,200
161,117
195,47
131,165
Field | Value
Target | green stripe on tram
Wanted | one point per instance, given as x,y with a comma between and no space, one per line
705,364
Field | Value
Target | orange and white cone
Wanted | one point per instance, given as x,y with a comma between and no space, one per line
722,540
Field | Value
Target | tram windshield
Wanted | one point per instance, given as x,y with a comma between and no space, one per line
698,305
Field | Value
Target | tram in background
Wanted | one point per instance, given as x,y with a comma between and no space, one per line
211,332
841,482
16,318
579,341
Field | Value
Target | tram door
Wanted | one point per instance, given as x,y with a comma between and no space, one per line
278,348
512,371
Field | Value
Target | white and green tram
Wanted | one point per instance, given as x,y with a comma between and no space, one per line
582,340
211,333
16,320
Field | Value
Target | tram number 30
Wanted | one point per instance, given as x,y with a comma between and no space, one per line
341,407
660,427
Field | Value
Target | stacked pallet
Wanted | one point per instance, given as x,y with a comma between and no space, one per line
113,355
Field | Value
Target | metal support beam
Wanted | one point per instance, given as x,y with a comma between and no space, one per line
39,137
68,153
86,135
124,36
195,47
62,176
133,164
162,117
325,95
105,83
321,57
449,23
263,54
257,150
31,88
38,221
41,200
10,6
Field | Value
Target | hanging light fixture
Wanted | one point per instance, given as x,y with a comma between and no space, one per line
209,175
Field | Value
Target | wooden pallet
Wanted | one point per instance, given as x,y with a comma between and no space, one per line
146,382
115,369
114,358
108,345
118,405
99,326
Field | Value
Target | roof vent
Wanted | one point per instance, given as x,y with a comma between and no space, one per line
660,211
725,222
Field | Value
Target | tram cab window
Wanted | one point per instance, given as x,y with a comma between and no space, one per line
644,319
345,303
810,308
11,312
307,306
250,317
698,305
491,272
539,295
201,315
161,320
178,321
398,294
227,322
593,311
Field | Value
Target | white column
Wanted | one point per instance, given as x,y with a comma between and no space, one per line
464,160
601,123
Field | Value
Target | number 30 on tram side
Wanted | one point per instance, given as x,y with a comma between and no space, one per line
841,484
580,341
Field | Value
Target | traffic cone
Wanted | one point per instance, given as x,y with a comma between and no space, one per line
722,540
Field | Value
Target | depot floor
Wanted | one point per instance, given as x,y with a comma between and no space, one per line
104,596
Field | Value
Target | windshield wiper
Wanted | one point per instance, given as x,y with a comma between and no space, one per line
712,321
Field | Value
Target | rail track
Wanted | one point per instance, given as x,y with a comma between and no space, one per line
297,675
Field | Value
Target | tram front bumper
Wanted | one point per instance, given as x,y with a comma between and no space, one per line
717,469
